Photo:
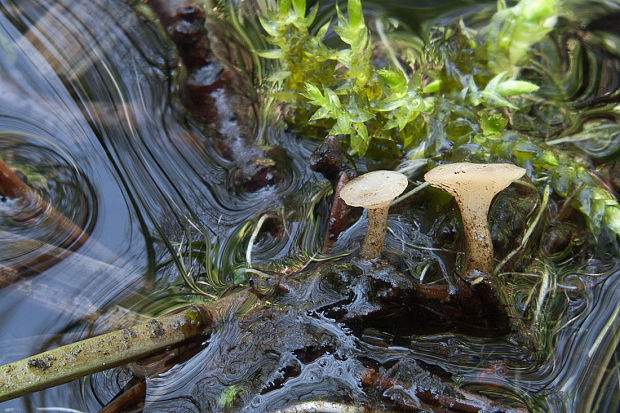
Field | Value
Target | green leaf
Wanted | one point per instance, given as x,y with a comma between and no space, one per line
300,7
227,397
279,75
512,31
432,87
341,19
391,103
285,7
597,209
314,95
536,10
311,16
428,105
358,114
271,54
239,276
356,17
492,99
493,84
321,113
269,26
548,160
320,34
585,200
334,100
342,126
360,139
404,116
562,180
516,87
395,80
525,150
492,124
612,218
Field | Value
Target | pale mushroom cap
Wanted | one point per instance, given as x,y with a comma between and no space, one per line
470,178
374,189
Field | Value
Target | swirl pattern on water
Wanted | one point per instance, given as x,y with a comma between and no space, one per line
102,86
34,238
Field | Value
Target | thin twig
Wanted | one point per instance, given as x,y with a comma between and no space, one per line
13,187
410,193
259,224
126,400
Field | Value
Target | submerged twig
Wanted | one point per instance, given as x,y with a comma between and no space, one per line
13,187
126,400
69,362
257,228
414,191
113,349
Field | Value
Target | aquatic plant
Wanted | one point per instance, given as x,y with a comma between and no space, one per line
512,31
487,101
459,98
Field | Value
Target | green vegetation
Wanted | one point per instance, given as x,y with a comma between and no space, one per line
459,98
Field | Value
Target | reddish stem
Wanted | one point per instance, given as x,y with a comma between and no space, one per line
13,187
337,217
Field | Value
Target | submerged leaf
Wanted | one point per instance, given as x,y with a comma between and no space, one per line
271,54
492,124
516,87
300,7
396,80
356,17
612,218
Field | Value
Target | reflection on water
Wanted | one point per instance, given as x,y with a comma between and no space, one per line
91,116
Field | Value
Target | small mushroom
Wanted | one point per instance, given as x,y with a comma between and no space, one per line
474,186
374,191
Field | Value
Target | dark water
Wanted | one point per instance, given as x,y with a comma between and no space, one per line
90,113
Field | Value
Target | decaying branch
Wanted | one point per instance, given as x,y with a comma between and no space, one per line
115,348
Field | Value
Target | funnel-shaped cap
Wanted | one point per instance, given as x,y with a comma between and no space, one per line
481,180
374,189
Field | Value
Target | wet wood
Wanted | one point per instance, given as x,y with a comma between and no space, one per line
108,350
220,94
35,207
131,400
116,348
337,221
391,303
452,400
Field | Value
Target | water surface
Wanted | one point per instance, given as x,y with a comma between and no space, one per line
91,113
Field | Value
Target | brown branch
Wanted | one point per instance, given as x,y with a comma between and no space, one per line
13,187
337,217
128,400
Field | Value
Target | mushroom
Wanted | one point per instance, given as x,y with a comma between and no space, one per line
474,186
374,191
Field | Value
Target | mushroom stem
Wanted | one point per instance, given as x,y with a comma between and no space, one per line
473,186
374,191
478,244
375,235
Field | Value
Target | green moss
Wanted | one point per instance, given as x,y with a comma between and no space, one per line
462,99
